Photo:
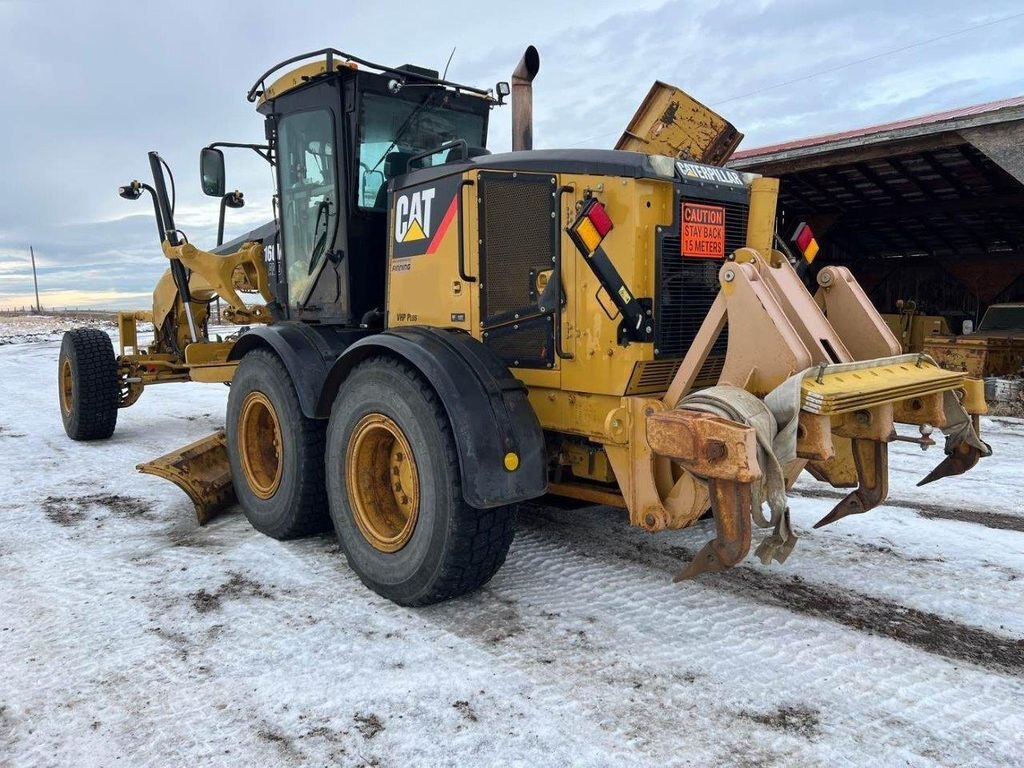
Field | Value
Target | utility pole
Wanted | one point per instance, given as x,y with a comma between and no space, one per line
35,279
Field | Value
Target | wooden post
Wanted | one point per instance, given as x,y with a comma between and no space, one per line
35,280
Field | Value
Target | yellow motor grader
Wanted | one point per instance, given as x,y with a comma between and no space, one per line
458,331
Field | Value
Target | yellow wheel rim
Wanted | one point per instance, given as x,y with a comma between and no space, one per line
383,483
259,441
67,386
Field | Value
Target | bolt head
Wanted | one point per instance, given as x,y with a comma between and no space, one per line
714,450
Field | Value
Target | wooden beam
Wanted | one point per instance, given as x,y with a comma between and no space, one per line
948,176
929,209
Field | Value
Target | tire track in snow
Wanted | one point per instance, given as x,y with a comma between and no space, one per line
996,520
873,615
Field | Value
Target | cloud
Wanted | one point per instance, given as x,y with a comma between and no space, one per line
73,299
78,124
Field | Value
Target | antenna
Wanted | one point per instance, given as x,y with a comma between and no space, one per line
448,64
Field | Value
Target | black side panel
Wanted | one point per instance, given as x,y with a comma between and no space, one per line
487,406
307,351
526,344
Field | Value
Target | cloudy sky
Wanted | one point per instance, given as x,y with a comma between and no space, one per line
89,87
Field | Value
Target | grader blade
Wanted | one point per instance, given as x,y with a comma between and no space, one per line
201,470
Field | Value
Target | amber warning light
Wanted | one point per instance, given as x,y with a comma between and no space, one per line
703,231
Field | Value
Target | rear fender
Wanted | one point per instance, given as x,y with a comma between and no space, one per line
487,407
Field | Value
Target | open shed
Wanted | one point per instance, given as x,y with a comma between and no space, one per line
929,209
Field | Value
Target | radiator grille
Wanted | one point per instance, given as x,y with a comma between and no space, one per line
652,376
687,286
518,232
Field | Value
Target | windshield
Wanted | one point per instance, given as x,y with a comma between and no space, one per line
1003,319
392,130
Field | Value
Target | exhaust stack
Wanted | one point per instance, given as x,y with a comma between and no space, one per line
522,99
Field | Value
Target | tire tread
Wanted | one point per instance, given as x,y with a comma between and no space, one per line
480,538
94,407
309,511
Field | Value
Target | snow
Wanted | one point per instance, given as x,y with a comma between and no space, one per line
128,634
19,329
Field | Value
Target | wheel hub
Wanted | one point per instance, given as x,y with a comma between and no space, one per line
383,482
67,392
259,440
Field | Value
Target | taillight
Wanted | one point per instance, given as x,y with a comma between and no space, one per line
804,240
591,226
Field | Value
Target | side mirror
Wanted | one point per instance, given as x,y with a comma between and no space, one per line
503,90
211,171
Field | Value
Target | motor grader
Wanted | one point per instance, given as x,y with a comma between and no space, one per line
457,332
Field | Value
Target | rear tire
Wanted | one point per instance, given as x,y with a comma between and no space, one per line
87,384
276,453
406,530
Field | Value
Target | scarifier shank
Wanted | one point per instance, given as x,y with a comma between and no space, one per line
854,390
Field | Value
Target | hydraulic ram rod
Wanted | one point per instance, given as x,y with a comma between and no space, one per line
170,234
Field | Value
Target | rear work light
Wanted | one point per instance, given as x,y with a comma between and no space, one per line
804,240
590,227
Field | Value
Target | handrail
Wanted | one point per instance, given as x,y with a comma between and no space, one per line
462,251
330,53
441,148
558,276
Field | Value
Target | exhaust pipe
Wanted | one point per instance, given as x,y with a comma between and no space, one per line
522,99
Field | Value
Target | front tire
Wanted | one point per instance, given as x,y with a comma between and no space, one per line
395,491
276,453
87,384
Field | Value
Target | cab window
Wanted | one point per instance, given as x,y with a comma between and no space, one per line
392,130
309,196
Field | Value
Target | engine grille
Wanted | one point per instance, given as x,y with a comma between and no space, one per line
518,237
652,376
687,286
518,232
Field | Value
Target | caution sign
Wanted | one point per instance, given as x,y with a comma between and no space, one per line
703,231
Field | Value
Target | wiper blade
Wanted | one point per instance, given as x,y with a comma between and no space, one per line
405,127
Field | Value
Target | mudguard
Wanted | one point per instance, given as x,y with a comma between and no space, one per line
487,406
307,351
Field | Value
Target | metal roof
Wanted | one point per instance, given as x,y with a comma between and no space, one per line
937,122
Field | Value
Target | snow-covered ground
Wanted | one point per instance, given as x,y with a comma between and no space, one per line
130,636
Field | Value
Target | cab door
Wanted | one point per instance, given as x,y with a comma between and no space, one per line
312,206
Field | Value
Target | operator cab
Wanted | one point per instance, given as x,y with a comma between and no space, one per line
340,134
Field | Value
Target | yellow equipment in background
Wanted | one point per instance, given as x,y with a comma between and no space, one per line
671,122
912,328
